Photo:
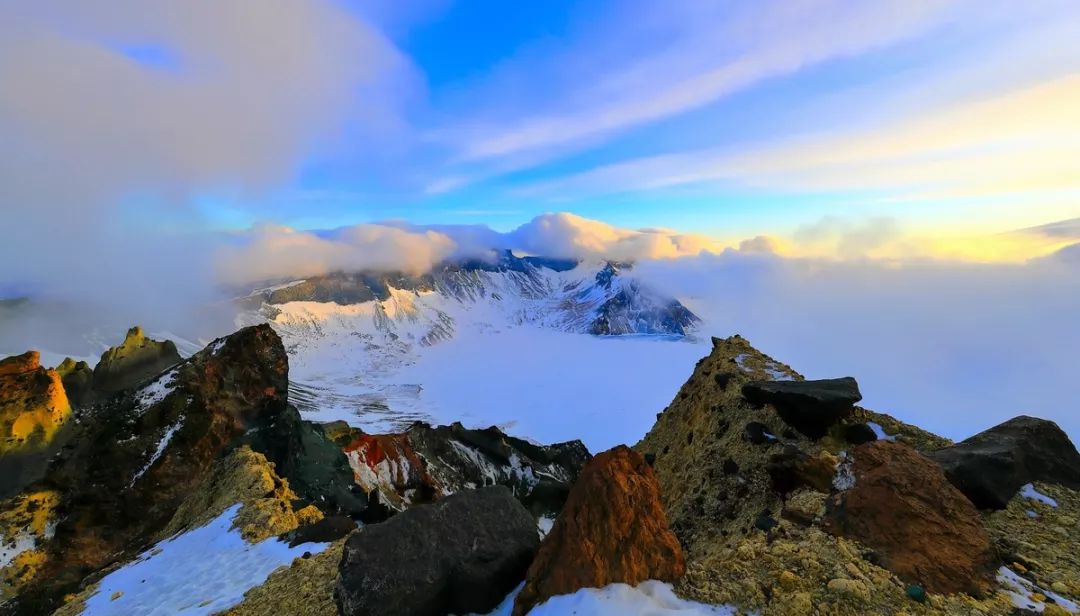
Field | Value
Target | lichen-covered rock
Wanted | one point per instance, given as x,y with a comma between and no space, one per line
33,403
78,379
245,477
460,555
26,523
133,460
133,361
921,527
991,466
305,588
612,529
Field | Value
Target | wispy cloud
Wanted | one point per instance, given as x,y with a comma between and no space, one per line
1021,141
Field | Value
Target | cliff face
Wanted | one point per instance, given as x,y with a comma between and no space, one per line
133,361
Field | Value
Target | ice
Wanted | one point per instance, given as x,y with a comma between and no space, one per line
202,571
650,598
1029,492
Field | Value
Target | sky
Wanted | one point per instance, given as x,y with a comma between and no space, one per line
951,119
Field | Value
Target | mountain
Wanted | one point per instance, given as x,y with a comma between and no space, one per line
349,335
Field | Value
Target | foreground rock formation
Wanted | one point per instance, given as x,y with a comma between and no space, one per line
460,555
612,529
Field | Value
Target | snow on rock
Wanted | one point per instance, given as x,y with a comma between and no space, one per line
1029,492
10,548
544,524
202,571
879,432
156,391
650,598
158,450
1021,591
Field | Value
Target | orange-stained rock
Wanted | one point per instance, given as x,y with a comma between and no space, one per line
611,529
33,404
920,526
387,465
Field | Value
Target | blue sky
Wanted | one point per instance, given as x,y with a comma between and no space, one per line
730,119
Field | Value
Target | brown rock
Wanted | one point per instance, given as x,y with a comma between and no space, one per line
612,529
923,528
33,404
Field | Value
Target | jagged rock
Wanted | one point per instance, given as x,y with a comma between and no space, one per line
460,555
78,380
920,526
991,466
612,529
426,463
858,433
133,460
134,361
810,407
33,403
317,469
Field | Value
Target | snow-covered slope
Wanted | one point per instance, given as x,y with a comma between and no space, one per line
352,338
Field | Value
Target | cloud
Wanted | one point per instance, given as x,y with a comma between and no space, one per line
568,235
115,114
953,347
710,51
1025,142
270,252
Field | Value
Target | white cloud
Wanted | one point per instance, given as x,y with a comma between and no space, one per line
270,252
568,235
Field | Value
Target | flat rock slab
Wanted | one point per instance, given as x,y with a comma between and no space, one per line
810,407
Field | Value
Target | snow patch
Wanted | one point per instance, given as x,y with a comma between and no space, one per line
155,392
9,549
650,598
1029,492
544,524
203,571
1020,590
160,449
879,432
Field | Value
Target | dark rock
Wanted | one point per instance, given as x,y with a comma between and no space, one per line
78,380
765,522
723,379
425,463
757,433
326,530
461,555
990,467
650,459
859,433
810,407
730,467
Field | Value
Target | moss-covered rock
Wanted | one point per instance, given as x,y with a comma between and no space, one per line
33,403
133,361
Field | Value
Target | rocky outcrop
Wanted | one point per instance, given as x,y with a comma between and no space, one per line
920,526
991,466
134,361
78,380
750,512
133,460
425,463
33,403
811,407
612,529
245,477
460,555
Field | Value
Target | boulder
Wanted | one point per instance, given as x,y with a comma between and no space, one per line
133,362
33,403
612,529
811,407
793,468
993,465
460,555
920,526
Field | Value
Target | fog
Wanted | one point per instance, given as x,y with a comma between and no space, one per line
954,348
